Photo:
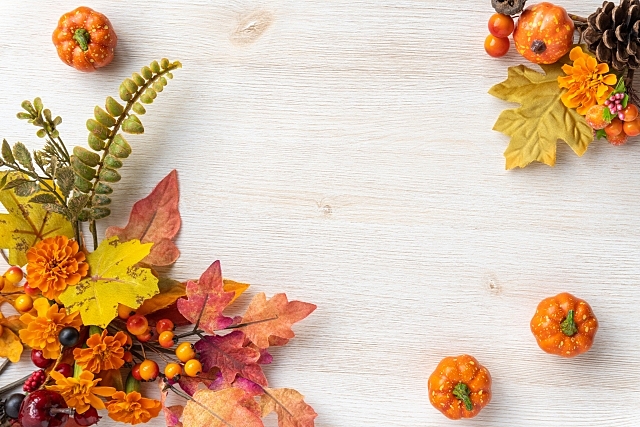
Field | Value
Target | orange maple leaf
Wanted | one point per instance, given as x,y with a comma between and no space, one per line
290,407
272,320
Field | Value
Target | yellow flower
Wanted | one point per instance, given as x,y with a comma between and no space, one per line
103,352
55,263
132,408
585,81
80,393
42,330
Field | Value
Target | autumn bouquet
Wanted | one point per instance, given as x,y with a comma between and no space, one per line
98,322
586,90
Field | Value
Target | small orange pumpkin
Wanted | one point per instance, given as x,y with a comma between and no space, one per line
544,33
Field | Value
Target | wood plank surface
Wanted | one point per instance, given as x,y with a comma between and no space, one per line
341,151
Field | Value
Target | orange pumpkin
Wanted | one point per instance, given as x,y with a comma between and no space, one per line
544,33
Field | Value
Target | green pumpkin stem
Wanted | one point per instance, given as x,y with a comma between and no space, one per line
82,37
461,392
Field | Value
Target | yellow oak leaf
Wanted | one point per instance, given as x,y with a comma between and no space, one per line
541,120
114,278
26,224
10,345
289,405
236,287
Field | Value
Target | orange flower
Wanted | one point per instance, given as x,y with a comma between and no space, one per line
585,81
80,393
55,263
42,330
132,408
103,352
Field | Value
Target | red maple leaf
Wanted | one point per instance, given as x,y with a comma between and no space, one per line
155,219
228,354
206,300
273,319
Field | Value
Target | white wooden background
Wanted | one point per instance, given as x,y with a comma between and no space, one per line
341,151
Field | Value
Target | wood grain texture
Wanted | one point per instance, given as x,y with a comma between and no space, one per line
342,151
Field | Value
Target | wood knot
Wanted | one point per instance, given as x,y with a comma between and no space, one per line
250,27
492,285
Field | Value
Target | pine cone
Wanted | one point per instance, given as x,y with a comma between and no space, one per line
612,34
508,7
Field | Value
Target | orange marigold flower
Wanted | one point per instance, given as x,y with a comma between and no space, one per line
42,330
103,352
55,263
585,81
132,408
82,392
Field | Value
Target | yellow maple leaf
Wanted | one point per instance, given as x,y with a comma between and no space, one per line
26,224
10,345
541,120
114,278
236,287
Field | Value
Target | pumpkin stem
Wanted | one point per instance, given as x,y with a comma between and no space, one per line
82,37
461,392
538,47
568,325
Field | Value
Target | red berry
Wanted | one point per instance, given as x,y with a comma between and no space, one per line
38,410
34,381
164,325
29,290
39,360
501,25
135,372
496,46
89,418
137,324
146,337
65,369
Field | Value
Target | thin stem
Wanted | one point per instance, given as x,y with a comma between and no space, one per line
578,18
204,305
242,325
55,365
568,325
40,179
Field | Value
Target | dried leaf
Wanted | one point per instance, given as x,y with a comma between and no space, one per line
541,120
211,380
10,345
223,408
282,312
236,287
231,357
170,313
206,300
169,292
26,224
290,407
114,279
155,219
173,413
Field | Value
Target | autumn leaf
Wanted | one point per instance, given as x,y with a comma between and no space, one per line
26,224
227,353
211,379
169,291
236,287
155,219
290,407
273,318
206,300
173,413
541,120
223,408
114,278
10,345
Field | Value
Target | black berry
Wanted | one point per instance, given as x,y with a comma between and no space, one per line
12,405
69,336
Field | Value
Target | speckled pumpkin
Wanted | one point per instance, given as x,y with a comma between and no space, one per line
544,33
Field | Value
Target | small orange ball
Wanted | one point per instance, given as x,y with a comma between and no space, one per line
631,128
164,325
14,275
24,303
615,128
501,25
146,337
137,324
185,352
127,357
193,368
595,117
172,370
149,370
630,113
496,46
125,312
618,139
166,339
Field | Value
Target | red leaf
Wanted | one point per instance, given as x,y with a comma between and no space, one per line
170,313
228,354
206,300
212,380
173,413
155,219
282,314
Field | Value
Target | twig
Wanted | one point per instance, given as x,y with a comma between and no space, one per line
55,365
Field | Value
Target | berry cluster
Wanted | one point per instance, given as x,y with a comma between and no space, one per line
34,381
625,122
13,276
497,43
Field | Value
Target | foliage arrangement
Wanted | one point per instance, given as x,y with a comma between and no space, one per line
98,319
585,91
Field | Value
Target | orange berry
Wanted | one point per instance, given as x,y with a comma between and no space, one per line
14,275
630,113
632,128
615,128
146,337
164,325
166,339
127,357
129,341
137,324
618,139
1,329
2,283
24,303
595,117
172,370
135,372
501,25
125,312
193,367
29,290
496,46
149,370
185,352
